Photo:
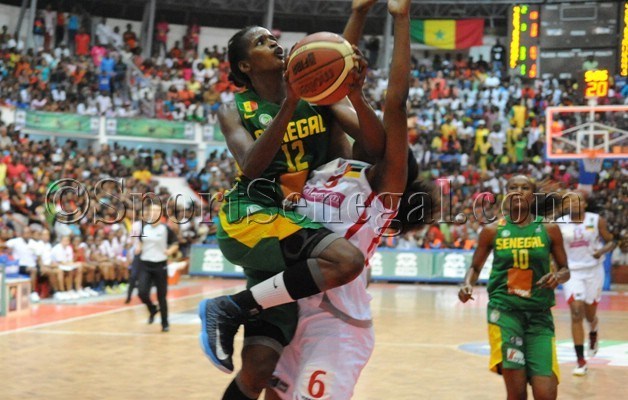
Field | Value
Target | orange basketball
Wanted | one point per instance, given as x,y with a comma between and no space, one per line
319,68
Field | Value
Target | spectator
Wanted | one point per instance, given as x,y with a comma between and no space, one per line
39,31
130,38
176,52
590,64
73,28
161,36
50,26
498,55
81,42
23,248
193,35
60,28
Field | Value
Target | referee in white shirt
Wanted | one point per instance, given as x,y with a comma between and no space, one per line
156,243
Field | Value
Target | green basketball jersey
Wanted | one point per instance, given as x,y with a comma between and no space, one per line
521,258
304,148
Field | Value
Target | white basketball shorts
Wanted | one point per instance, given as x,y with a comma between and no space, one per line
585,285
324,359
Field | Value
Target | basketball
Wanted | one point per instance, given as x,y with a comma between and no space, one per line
319,68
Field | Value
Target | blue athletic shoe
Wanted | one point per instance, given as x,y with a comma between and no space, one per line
220,319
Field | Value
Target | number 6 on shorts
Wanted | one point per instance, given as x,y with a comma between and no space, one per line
316,387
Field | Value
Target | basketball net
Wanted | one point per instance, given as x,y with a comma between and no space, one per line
592,163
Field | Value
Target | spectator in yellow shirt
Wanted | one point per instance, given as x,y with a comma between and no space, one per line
448,129
481,134
143,174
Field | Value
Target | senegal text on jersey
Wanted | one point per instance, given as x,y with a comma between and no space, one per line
300,129
518,243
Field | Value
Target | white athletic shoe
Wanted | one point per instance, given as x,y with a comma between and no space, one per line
593,344
60,296
73,295
581,369
35,297
91,292
83,293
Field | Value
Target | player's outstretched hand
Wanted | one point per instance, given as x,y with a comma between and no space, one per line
359,72
465,293
399,7
549,281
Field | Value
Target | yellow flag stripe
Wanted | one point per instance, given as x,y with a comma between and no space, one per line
440,33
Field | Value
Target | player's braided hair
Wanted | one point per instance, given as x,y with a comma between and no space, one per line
420,201
237,51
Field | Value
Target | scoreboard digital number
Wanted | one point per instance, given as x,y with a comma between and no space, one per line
524,27
596,83
623,44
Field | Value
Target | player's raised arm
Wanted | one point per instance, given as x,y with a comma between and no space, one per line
357,20
355,115
254,156
391,173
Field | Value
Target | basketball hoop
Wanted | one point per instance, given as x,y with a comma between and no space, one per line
592,163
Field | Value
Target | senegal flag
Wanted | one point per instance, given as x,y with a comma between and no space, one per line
448,33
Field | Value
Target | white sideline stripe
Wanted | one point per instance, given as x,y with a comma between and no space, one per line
96,333
427,345
117,310
237,338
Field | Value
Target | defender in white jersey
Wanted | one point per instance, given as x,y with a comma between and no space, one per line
334,337
582,233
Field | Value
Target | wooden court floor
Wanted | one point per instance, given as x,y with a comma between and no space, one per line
428,346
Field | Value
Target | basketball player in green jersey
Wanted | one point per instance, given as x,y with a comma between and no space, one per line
276,138
521,293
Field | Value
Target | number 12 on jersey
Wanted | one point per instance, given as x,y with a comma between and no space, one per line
295,164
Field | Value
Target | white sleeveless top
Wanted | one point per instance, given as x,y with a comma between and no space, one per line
581,240
339,196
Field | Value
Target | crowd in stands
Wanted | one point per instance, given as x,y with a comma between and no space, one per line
471,127
41,184
81,65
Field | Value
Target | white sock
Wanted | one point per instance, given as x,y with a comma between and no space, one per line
272,292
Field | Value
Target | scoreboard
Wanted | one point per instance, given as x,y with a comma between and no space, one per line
623,40
589,25
554,40
596,83
523,40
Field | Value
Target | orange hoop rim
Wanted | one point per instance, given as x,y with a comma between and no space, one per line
592,153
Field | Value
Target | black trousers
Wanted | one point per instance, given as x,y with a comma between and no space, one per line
133,276
151,273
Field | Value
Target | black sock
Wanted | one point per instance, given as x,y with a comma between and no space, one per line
246,302
233,393
299,281
579,351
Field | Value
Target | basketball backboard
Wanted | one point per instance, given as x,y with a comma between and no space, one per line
584,132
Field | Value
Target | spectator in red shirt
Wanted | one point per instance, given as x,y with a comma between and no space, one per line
161,36
15,168
193,34
431,241
176,51
81,41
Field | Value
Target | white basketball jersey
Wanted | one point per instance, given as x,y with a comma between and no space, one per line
339,196
581,240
